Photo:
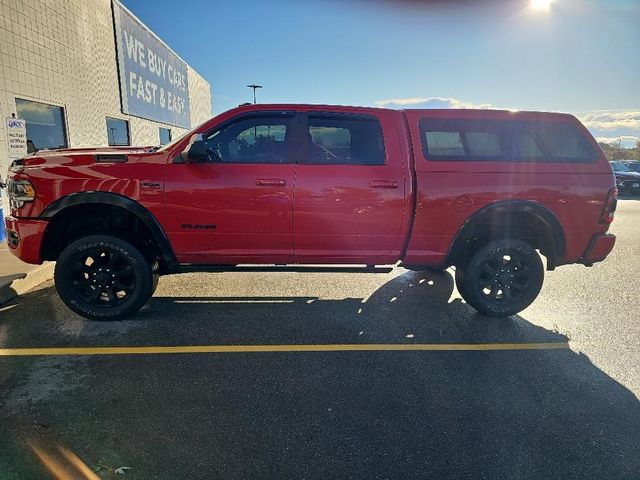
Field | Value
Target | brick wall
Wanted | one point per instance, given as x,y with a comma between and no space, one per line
62,52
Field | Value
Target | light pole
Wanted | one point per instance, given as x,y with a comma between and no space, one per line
254,86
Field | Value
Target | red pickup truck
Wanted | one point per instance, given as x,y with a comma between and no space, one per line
484,191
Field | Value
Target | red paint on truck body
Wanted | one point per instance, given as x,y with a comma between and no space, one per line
410,208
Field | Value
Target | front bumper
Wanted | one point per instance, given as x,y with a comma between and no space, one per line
24,237
599,247
629,186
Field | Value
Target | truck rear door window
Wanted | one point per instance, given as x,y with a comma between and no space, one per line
503,140
343,139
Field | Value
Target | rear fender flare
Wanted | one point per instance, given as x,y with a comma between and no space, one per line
496,213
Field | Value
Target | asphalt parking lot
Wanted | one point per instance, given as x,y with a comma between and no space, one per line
556,398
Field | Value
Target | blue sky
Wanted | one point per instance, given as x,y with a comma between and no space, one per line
577,56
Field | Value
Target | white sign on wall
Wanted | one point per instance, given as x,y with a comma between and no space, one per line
17,137
154,81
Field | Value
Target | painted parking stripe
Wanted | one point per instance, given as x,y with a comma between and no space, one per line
366,347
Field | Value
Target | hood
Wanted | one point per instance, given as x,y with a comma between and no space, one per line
627,175
63,151
79,156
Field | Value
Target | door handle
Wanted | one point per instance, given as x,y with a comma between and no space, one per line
271,182
383,184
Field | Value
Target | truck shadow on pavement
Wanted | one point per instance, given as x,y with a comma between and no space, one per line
412,307
481,414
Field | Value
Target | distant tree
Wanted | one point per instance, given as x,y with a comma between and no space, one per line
609,150
616,152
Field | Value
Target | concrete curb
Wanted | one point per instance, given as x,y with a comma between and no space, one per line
12,286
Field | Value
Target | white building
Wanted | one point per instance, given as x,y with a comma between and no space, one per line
86,73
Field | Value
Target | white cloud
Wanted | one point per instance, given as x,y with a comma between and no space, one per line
614,126
612,120
609,126
431,102
400,101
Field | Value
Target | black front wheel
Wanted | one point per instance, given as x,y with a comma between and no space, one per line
502,278
104,278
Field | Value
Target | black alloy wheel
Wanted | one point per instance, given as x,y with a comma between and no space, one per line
104,278
502,278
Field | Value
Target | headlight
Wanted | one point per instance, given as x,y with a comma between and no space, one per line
20,191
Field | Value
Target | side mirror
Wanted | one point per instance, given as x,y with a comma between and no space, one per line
196,151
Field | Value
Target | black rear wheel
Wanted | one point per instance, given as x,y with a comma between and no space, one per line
104,278
502,278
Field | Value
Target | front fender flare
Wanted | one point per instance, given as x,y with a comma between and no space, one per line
108,198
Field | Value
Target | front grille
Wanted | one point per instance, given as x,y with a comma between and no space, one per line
629,183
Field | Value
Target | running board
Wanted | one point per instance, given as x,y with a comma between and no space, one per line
187,268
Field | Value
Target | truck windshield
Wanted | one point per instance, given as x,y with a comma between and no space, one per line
620,168
180,138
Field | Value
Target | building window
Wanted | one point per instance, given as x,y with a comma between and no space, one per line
118,131
165,136
45,125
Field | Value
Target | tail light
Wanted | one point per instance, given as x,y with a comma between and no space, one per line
609,206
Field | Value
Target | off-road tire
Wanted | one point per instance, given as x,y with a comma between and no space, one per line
104,278
502,278
459,276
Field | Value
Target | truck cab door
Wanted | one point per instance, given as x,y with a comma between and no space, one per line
353,189
237,206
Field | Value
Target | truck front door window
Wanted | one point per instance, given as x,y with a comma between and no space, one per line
252,140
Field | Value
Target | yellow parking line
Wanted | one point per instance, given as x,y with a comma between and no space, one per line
375,347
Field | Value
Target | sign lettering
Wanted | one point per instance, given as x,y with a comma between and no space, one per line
17,137
153,80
